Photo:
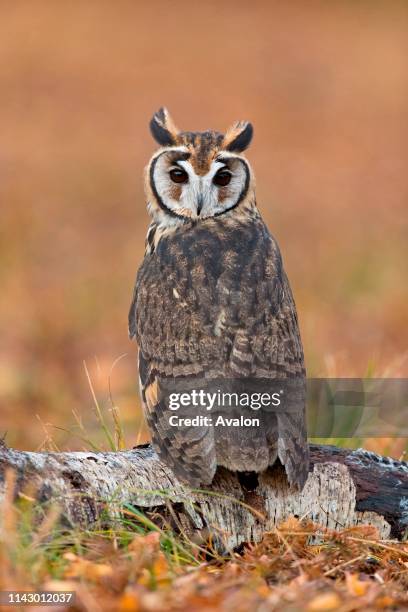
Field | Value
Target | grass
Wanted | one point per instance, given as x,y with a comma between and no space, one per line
135,565
139,564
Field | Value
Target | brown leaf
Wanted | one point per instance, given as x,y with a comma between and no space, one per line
323,602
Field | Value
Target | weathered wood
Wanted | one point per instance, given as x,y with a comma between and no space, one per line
344,488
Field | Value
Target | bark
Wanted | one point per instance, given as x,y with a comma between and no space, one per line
344,488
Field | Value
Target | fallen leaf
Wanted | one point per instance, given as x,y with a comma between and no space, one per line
129,602
83,568
384,602
355,586
325,601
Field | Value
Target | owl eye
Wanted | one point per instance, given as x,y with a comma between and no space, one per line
222,178
178,175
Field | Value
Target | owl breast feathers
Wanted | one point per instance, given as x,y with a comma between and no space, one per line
212,303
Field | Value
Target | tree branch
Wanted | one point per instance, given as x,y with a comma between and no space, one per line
344,488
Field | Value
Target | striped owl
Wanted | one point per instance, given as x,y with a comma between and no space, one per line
212,301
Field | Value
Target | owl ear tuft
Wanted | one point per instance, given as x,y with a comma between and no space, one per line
163,128
238,137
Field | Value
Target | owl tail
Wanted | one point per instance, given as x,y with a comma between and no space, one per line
189,452
244,448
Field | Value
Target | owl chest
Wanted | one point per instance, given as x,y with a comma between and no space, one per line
203,287
181,294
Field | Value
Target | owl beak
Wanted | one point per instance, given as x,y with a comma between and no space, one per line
200,202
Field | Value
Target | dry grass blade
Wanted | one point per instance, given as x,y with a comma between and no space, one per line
99,412
333,570
119,434
380,544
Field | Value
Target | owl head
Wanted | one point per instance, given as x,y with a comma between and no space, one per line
197,175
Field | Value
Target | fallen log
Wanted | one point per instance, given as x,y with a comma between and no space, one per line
344,488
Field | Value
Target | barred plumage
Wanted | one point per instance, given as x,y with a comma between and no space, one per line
212,301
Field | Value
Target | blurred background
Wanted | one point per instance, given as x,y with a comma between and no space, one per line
326,87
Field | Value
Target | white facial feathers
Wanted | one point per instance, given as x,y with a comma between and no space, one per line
197,195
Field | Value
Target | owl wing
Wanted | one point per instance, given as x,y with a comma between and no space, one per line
265,344
283,357
232,315
171,324
188,451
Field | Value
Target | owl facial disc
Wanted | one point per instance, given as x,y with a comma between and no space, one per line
197,175
181,191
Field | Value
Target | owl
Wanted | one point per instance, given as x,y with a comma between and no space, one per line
212,302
